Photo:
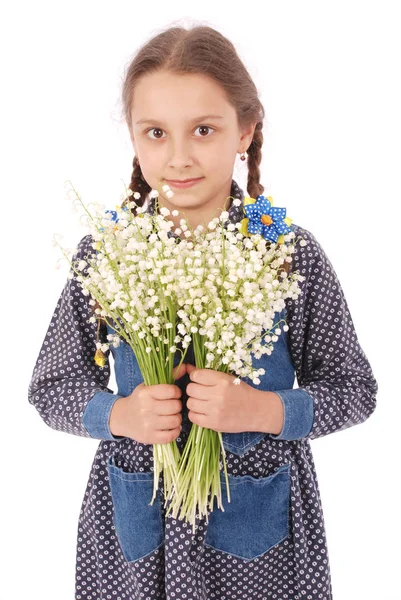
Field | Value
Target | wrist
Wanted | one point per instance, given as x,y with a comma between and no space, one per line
117,420
268,412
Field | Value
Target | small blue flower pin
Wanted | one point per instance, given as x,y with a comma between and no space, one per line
264,218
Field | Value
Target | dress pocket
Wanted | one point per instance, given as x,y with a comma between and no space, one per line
256,519
239,443
138,525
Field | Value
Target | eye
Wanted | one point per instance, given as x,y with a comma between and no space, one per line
204,127
154,129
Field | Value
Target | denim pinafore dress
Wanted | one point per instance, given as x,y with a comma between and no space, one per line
258,515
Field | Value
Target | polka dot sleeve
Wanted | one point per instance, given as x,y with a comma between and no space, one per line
65,376
331,367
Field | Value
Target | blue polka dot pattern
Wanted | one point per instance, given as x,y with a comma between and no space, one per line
255,211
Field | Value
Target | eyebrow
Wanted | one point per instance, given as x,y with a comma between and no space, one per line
141,121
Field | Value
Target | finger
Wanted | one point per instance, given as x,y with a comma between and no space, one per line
169,421
195,406
205,376
166,391
179,371
199,419
190,368
200,392
164,408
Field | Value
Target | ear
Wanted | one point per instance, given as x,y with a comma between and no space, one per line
247,137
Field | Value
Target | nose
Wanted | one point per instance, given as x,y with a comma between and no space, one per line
180,155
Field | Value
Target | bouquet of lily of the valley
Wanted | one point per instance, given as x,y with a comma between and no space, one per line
218,286
237,284
131,277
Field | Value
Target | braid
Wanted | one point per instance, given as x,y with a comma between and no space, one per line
254,186
137,184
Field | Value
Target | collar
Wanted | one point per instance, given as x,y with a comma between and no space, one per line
235,213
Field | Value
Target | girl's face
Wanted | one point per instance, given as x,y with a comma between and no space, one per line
183,127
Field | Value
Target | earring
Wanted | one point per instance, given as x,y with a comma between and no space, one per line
243,157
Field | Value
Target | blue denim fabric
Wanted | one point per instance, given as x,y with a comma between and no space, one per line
298,414
279,377
257,516
138,524
97,415
256,519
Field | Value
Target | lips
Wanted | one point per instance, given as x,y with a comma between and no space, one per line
183,180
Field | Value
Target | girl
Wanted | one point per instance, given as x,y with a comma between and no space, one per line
191,106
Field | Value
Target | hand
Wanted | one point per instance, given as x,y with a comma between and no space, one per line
151,414
215,402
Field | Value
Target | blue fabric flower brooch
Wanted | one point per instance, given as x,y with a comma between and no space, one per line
264,218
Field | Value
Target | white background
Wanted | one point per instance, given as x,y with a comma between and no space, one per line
329,78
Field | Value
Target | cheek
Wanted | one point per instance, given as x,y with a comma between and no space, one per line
150,163
219,156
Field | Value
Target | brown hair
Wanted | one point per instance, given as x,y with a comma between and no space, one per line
200,49
204,50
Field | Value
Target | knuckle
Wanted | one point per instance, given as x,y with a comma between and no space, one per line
142,414
140,392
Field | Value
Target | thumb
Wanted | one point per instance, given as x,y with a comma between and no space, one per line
190,368
180,371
